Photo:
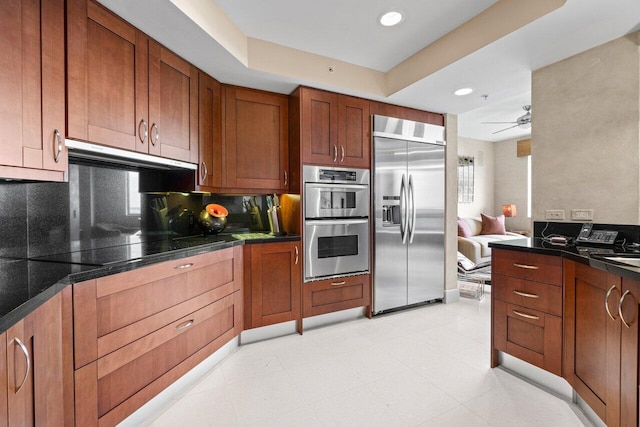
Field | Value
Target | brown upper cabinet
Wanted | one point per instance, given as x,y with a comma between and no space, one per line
32,87
210,133
256,140
335,129
125,90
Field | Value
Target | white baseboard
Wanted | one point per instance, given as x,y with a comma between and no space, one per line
451,296
160,403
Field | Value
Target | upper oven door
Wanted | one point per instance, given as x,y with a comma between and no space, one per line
336,247
336,200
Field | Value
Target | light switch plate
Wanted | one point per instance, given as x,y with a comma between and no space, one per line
554,214
582,214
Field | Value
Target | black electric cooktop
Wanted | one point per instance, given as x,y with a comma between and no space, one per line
102,252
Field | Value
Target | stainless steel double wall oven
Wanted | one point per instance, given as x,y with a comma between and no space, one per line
336,222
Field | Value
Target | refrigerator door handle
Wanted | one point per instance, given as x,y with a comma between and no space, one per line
403,212
412,210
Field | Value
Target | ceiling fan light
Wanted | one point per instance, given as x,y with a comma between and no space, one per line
391,18
463,91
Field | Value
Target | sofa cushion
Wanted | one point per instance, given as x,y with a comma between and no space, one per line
485,239
492,225
463,228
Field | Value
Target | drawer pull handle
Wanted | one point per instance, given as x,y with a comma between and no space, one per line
180,267
26,356
524,294
525,315
185,325
338,283
143,134
624,322
528,267
297,255
606,302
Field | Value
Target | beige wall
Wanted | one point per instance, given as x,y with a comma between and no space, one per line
483,196
510,178
585,133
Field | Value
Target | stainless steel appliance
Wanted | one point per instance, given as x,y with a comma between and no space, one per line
336,222
408,206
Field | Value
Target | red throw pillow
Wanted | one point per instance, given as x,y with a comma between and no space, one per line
463,228
492,225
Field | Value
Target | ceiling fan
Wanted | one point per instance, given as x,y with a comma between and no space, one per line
524,121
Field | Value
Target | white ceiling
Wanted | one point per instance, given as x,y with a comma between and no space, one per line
347,30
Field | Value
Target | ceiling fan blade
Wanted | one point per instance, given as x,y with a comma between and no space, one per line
495,123
502,130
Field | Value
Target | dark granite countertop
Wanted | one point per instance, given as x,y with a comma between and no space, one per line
25,284
594,256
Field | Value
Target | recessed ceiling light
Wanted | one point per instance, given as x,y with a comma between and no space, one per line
463,91
390,19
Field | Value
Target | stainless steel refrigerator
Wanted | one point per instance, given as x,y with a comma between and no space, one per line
408,206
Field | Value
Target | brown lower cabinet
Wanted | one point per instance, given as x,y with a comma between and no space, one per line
139,331
272,283
326,296
36,370
526,308
601,341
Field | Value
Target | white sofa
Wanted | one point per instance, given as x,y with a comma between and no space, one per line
476,247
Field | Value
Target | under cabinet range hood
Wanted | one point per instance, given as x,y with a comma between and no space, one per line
115,156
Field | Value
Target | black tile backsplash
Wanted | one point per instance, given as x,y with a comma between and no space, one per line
103,204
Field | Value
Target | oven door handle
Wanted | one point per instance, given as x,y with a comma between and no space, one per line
329,222
336,186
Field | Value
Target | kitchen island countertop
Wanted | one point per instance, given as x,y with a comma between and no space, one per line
590,255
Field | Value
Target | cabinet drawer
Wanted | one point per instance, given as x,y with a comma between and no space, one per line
535,295
528,334
529,266
112,311
122,373
331,295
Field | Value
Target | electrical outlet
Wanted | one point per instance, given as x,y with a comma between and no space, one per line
582,214
554,214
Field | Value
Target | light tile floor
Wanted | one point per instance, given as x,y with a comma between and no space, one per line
422,367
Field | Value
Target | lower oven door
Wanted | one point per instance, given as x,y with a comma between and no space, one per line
335,247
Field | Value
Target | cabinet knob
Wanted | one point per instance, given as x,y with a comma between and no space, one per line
58,144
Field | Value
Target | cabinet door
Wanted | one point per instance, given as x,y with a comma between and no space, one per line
40,382
20,373
256,141
32,87
592,338
319,127
210,133
354,132
629,353
4,418
275,283
107,78
173,105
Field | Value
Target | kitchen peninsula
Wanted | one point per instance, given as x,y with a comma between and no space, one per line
572,310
